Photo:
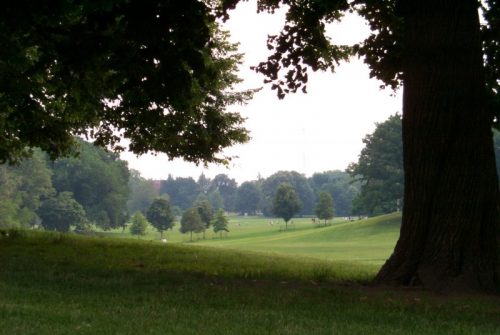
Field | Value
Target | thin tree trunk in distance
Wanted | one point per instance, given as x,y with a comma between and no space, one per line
450,215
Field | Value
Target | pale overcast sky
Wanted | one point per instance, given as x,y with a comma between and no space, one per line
308,133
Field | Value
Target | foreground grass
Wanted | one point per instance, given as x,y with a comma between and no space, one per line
52,284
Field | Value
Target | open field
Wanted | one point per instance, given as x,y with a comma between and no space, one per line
67,284
368,241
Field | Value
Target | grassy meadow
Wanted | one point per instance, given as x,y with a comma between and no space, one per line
369,241
256,280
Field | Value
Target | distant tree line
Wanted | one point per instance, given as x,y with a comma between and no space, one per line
96,188
372,185
251,197
68,193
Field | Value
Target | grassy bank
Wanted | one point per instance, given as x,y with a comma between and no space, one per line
52,284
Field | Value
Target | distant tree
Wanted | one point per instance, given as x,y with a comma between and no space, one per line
98,180
160,215
182,191
203,183
380,169
141,194
227,188
340,185
191,222
248,198
176,210
35,185
324,207
286,203
220,222
358,207
62,212
138,224
216,200
23,187
205,210
10,203
300,185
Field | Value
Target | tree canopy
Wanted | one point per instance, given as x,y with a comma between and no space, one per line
227,188
160,215
340,185
299,183
304,44
138,224
181,191
286,202
23,188
248,198
62,212
380,169
220,222
161,73
142,193
205,210
98,180
324,207
191,222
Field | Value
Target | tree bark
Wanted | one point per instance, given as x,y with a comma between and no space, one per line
450,215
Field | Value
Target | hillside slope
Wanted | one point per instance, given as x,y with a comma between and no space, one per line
368,241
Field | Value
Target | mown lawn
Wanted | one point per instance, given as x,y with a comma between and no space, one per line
59,284
369,241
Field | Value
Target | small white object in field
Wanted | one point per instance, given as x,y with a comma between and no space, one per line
164,240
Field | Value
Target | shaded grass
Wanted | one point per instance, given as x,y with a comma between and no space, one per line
53,285
97,253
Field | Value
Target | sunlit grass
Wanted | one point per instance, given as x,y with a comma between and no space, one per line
369,241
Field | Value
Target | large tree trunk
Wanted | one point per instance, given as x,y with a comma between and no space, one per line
450,216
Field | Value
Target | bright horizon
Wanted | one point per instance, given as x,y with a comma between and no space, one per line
307,133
